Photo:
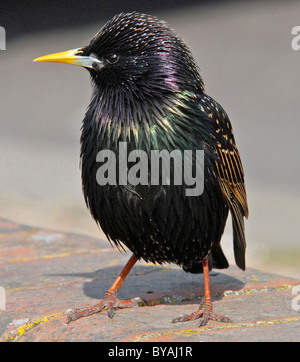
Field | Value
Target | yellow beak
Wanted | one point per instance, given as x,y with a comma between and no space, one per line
70,57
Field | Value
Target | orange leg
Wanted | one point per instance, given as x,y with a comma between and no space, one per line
110,300
205,311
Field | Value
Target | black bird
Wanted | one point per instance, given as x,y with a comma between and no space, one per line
147,92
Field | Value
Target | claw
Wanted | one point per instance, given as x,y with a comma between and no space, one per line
141,302
205,311
185,318
110,313
226,318
109,302
204,314
202,322
71,315
180,318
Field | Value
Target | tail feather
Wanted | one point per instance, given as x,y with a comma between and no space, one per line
239,239
238,211
217,260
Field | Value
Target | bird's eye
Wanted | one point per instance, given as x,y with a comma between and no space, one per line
113,58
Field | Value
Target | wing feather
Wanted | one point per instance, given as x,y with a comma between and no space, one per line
231,175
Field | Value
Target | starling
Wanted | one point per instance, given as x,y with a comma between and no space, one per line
148,93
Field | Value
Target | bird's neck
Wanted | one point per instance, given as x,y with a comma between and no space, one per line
146,123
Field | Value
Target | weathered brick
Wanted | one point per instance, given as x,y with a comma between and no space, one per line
45,272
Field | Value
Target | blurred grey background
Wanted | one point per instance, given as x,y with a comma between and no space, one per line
248,65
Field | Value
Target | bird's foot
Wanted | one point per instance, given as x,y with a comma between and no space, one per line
204,313
109,302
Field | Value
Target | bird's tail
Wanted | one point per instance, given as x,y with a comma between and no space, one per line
216,260
239,239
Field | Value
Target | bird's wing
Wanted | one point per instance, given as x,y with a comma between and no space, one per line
230,173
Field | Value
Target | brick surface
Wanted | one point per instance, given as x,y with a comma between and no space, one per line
45,272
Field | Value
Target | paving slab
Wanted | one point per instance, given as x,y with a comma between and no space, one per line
45,272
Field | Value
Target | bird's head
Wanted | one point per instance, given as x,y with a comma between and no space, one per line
135,54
